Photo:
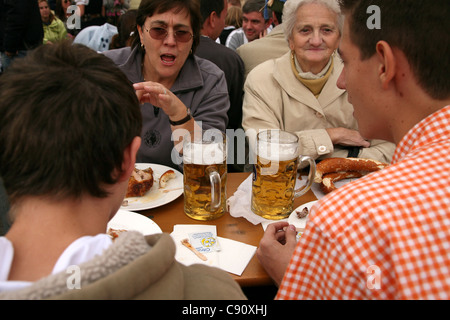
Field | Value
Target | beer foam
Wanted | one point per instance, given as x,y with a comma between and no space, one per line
280,152
212,153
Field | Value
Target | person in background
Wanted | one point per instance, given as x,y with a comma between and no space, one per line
386,235
234,3
54,28
179,91
66,179
272,46
92,13
213,14
233,21
125,28
63,12
297,92
61,9
254,24
20,29
114,9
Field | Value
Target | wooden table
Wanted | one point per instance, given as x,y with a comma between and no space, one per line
238,229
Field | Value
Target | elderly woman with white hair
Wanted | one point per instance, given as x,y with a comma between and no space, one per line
297,92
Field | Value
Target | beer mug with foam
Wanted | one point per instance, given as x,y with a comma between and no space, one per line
205,174
275,173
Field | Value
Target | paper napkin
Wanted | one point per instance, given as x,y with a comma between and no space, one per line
240,203
233,256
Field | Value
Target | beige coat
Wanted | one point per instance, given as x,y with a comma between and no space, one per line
275,99
272,46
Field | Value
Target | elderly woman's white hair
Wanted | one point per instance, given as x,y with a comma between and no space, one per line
290,13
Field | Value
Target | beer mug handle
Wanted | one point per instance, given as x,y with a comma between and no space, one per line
214,178
312,172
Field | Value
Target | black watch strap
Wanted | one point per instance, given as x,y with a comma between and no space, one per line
353,152
184,120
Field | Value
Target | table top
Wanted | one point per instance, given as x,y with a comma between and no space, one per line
238,229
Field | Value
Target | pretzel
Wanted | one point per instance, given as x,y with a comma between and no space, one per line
331,170
328,180
363,166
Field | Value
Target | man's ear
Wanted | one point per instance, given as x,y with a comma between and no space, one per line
129,158
387,63
212,19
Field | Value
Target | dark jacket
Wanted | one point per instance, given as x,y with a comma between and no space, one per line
20,25
200,85
233,67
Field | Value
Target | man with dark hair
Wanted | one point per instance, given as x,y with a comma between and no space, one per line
386,235
67,150
272,46
255,24
213,13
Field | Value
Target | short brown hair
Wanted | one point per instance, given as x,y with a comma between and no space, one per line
419,28
67,114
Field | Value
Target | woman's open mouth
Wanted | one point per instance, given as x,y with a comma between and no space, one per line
168,59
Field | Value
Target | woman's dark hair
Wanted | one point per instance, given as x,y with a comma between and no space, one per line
148,8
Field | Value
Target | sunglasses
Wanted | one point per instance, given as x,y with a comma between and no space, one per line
158,33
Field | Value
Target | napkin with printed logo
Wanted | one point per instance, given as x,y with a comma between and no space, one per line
226,254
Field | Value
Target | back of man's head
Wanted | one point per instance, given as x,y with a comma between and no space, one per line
209,6
67,114
419,28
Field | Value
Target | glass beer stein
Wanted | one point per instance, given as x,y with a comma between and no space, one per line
205,175
275,173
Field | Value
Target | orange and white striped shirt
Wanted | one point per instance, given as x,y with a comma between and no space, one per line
386,235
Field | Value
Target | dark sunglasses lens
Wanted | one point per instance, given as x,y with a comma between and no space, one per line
161,33
158,33
182,36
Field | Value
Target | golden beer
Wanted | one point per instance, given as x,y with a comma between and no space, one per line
205,175
273,188
275,173
198,192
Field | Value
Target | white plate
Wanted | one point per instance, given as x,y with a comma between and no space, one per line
132,221
295,220
156,196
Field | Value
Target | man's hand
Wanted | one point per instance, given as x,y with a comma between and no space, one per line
276,248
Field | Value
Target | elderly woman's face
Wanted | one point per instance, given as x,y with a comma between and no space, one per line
315,36
166,56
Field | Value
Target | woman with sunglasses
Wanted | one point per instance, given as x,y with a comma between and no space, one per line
179,91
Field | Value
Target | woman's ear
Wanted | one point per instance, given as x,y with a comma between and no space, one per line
129,158
387,63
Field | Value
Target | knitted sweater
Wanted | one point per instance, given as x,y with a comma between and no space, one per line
135,267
